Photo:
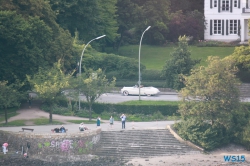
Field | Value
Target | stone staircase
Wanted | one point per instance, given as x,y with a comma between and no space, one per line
141,143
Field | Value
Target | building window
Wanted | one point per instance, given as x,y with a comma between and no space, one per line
233,27
235,3
225,5
217,26
215,3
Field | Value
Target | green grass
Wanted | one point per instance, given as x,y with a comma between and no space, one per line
154,57
149,102
84,121
14,123
173,117
45,121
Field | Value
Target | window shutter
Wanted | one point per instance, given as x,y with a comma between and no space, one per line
239,28
238,3
211,27
226,27
222,27
211,4
219,6
231,6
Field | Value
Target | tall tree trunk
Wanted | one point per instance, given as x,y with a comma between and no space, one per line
50,114
90,112
6,116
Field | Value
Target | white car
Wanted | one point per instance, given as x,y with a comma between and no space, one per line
143,91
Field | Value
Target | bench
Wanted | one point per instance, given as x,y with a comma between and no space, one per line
27,129
53,130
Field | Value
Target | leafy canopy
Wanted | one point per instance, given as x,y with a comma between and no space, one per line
49,84
179,63
93,83
211,93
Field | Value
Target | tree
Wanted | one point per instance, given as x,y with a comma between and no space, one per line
90,18
210,106
93,84
180,63
30,37
49,83
128,17
241,55
9,96
211,93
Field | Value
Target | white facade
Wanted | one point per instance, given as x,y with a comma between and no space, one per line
227,20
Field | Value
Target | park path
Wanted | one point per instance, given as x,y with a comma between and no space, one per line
28,114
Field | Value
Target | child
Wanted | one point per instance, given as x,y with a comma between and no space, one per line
111,121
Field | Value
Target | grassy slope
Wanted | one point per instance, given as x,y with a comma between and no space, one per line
154,57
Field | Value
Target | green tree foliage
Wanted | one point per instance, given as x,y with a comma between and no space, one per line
9,96
30,37
211,92
49,84
210,107
202,133
128,18
90,18
113,65
241,55
180,63
93,83
144,13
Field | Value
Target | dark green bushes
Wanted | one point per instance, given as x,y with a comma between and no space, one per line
212,136
99,108
166,110
202,133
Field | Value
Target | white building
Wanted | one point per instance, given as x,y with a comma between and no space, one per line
227,20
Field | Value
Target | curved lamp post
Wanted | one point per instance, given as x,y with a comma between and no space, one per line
80,66
139,82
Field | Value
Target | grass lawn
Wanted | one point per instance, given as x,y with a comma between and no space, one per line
45,121
154,57
14,123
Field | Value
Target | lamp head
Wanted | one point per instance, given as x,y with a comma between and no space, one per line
100,37
148,28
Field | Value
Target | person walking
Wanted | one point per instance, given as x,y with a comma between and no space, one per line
111,121
123,118
98,121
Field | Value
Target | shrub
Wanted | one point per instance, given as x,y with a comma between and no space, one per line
203,134
214,43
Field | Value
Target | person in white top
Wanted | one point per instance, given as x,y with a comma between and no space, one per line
123,118
82,127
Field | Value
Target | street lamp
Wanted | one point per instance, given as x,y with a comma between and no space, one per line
80,66
139,82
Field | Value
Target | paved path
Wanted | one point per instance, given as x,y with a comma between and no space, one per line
26,113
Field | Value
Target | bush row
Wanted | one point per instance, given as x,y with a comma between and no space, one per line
157,83
166,110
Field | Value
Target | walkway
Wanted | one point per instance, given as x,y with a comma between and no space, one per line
26,113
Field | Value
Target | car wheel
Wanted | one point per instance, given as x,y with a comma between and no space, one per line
125,93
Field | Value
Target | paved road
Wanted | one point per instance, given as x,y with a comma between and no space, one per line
117,98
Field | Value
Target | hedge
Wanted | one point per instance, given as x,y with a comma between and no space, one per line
166,110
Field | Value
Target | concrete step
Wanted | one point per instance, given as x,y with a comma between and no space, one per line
140,143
